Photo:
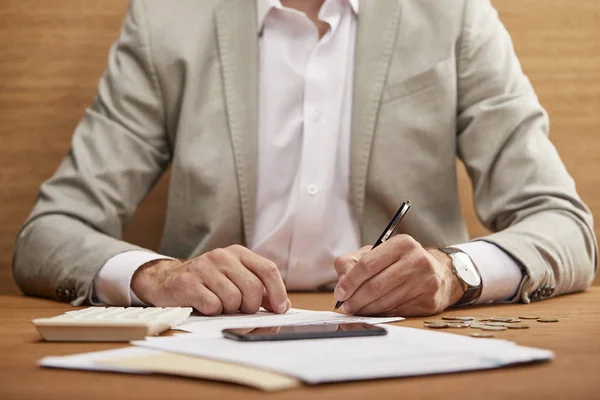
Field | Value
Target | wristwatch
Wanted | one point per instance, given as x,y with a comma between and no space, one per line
468,275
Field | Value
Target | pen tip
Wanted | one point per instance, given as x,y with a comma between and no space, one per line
338,305
409,203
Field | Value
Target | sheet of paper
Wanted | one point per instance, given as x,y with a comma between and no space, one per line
194,367
88,361
402,352
140,360
212,326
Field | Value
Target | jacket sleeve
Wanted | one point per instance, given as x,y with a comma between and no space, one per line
522,191
118,151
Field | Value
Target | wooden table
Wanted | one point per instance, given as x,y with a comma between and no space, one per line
573,374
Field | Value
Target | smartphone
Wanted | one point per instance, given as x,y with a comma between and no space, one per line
296,332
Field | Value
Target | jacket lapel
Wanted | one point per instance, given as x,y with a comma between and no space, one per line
377,26
238,51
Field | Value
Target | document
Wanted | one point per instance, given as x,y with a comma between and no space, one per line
402,352
139,360
278,365
212,326
90,361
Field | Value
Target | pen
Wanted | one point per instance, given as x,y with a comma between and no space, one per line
387,232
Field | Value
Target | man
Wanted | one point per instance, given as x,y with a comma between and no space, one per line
294,131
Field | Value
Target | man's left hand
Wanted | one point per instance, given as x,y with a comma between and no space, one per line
398,278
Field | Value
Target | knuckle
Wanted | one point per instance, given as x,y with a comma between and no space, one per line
422,260
199,265
179,280
216,256
434,283
408,242
253,287
231,299
236,248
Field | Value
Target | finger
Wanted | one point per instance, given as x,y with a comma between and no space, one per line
420,306
372,263
345,262
269,275
378,286
248,284
203,300
226,291
266,303
408,300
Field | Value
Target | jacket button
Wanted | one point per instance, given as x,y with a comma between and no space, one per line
59,293
73,295
535,295
67,295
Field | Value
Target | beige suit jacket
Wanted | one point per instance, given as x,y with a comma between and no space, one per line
433,80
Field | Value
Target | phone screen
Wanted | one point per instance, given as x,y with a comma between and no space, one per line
295,332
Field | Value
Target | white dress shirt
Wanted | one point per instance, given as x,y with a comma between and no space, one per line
304,215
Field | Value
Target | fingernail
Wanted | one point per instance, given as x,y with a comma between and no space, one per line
339,294
347,309
289,305
282,308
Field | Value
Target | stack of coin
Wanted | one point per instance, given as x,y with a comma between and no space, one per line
486,325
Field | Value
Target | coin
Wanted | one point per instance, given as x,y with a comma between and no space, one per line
430,322
465,319
455,325
482,335
493,328
547,320
518,326
505,324
478,326
501,319
529,317
438,325
515,320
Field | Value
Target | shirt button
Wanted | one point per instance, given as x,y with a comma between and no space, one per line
312,190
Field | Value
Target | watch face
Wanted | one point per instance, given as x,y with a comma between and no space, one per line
466,270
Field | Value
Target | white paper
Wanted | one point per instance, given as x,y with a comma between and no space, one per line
212,326
88,361
402,352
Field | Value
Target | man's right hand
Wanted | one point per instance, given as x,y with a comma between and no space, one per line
220,281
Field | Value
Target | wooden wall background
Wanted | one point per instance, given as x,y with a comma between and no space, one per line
52,53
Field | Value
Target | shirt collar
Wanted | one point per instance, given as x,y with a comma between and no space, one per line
264,6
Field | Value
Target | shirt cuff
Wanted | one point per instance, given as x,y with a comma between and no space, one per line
501,276
112,284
